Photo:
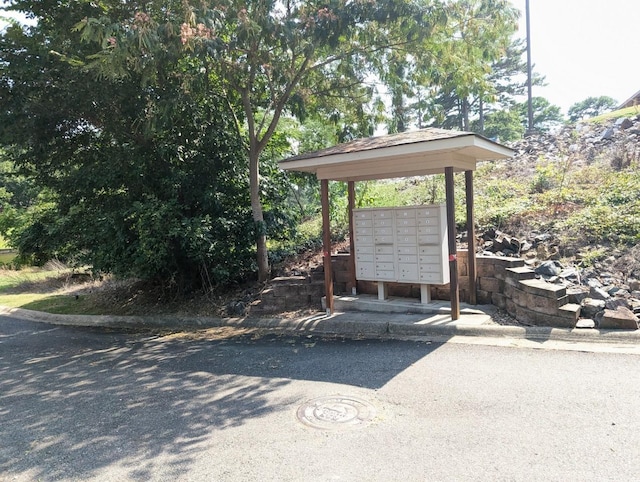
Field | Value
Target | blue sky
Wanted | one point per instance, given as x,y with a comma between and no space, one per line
584,48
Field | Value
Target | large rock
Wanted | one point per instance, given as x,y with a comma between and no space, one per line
623,123
620,318
598,293
590,307
615,303
548,268
577,294
607,134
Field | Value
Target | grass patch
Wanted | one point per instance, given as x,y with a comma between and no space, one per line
3,243
50,291
7,258
26,279
626,112
57,304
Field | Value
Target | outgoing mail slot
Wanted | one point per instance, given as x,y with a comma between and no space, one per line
385,266
383,239
384,249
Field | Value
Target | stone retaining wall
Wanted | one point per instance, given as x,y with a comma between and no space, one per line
504,282
291,293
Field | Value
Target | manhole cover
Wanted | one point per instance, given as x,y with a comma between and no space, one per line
336,413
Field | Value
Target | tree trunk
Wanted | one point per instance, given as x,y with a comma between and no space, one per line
481,120
465,114
258,217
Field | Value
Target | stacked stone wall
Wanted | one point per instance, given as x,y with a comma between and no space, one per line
502,281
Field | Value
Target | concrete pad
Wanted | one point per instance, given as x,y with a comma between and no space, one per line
372,304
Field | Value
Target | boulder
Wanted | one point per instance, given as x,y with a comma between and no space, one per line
585,323
620,318
590,307
634,284
607,134
237,308
615,303
548,268
623,123
598,293
577,293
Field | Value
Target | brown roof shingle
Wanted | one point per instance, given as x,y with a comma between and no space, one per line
390,140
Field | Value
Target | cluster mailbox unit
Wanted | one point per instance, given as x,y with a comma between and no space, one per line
402,244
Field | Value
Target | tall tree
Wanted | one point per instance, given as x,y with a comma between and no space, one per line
274,58
147,182
477,34
545,114
591,107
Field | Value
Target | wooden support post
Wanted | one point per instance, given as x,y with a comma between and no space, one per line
326,245
352,283
453,255
471,239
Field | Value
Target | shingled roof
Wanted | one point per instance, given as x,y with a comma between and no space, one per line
421,152
631,101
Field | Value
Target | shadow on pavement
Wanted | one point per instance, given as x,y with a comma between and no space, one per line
76,400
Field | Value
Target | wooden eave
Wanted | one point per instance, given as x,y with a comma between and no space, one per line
418,153
631,101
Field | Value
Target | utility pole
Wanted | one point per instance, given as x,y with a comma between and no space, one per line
529,97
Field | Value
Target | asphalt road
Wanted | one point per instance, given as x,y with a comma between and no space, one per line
86,404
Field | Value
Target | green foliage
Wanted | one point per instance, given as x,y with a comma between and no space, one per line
626,112
544,178
591,256
545,115
591,107
268,60
145,179
308,236
605,223
461,58
496,200
587,204
503,125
